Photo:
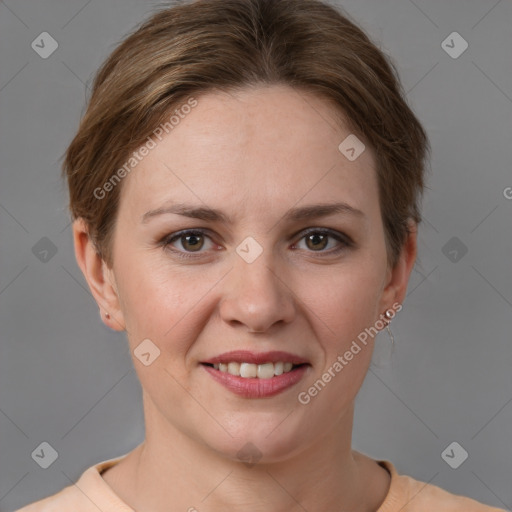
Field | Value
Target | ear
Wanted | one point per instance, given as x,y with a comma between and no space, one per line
99,277
398,276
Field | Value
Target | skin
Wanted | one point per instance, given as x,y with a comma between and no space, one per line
254,155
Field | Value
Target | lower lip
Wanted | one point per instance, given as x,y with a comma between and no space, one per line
257,388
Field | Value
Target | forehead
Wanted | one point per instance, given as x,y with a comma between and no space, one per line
266,144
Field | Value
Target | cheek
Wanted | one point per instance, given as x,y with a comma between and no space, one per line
345,300
340,311
155,300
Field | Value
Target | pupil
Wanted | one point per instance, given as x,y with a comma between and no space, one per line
196,243
316,238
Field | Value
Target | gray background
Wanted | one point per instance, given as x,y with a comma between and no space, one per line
68,380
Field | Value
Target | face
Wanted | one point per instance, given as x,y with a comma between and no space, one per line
256,278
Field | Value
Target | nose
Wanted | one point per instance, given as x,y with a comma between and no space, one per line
258,295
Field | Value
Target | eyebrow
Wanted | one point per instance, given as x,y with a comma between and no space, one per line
295,214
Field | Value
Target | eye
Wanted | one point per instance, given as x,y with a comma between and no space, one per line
191,241
316,240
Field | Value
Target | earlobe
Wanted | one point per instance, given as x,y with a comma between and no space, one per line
99,277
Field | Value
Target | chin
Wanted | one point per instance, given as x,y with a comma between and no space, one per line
260,438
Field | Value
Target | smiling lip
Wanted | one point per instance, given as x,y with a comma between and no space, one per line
256,387
246,356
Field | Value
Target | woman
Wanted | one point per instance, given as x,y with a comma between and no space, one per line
245,188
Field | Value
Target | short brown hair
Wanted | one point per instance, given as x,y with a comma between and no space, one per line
205,45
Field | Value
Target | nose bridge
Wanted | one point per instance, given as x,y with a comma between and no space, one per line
256,265
256,294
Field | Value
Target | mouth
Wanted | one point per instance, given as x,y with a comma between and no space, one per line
256,375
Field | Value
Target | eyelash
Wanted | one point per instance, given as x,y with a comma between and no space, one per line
344,240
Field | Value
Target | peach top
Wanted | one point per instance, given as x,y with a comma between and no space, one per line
91,493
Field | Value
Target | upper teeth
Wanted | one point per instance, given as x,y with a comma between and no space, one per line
248,370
